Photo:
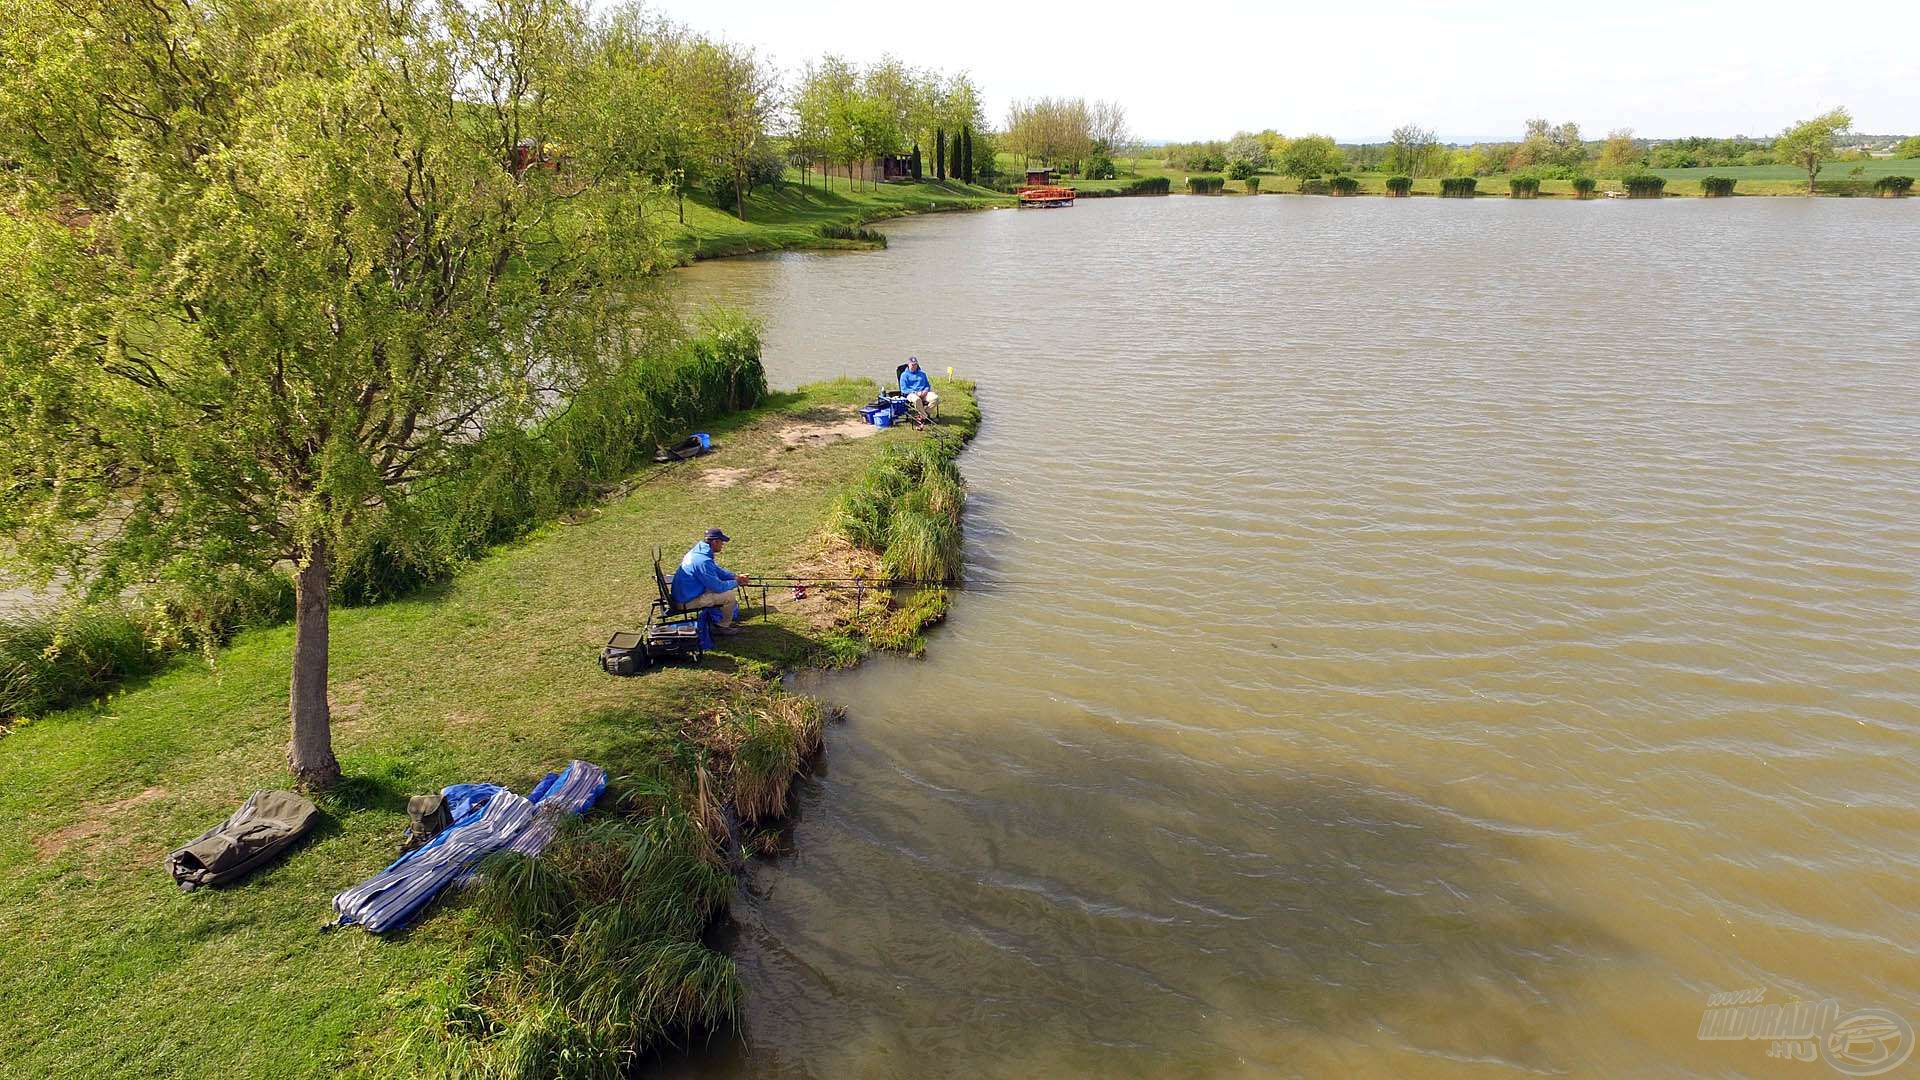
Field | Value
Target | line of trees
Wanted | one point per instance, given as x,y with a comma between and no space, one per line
1069,133
1546,150
849,116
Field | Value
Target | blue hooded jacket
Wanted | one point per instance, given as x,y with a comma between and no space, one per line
912,382
698,573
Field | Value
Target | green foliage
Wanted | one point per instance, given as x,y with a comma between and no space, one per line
1241,170
1149,185
1205,185
1644,185
1400,186
1908,148
1583,186
513,479
1894,186
858,233
1253,185
1716,187
1809,143
1312,155
1343,185
1523,187
1458,187
1100,168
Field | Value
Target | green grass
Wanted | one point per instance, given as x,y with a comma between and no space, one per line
794,215
105,969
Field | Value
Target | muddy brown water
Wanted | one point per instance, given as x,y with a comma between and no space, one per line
1470,635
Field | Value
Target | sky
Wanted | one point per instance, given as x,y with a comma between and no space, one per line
1358,69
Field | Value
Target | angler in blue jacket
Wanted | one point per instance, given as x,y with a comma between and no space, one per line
915,384
701,582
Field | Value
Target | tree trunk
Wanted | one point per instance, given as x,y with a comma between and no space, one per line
310,754
739,196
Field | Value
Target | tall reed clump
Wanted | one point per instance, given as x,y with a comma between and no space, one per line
514,479
592,955
1716,187
52,661
1399,187
1205,185
1253,185
856,233
1149,185
906,508
1893,187
1523,187
1343,185
1583,187
768,736
1644,185
76,654
1458,187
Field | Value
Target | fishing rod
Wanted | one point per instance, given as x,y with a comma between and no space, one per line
784,580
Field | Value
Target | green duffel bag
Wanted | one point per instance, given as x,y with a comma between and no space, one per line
265,825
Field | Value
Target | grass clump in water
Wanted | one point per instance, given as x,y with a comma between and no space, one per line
855,233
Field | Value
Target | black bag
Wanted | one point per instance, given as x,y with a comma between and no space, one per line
673,641
624,655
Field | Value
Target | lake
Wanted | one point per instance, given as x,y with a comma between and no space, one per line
1412,638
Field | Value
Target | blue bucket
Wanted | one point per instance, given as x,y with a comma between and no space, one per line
883,419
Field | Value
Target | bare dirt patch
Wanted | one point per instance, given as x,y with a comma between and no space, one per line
96,822
716,478
820,432
825,607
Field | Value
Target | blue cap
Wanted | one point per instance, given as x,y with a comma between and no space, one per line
716,534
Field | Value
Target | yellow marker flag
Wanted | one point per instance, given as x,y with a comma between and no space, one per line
949,371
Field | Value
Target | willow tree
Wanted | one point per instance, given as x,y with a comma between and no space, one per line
269,262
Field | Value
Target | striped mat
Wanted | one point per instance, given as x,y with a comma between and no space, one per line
486,818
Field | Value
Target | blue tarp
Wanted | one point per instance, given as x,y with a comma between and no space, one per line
486,818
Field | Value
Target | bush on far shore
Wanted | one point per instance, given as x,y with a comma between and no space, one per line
1399,186
1458,187
1716,187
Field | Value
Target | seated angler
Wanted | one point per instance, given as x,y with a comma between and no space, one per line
701,582
918,388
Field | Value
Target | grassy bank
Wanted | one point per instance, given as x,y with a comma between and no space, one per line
106,969
792,215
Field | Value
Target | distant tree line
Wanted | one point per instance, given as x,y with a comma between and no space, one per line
1546,150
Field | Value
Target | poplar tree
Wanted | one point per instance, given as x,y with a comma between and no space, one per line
916,162
268,263
940,153
966,153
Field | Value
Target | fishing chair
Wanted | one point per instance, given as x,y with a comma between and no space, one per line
931,412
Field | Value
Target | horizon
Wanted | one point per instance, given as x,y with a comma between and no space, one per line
1186,80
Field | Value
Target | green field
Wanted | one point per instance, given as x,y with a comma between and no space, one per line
105,969
790,215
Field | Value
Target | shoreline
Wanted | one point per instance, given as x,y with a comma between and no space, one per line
490,677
